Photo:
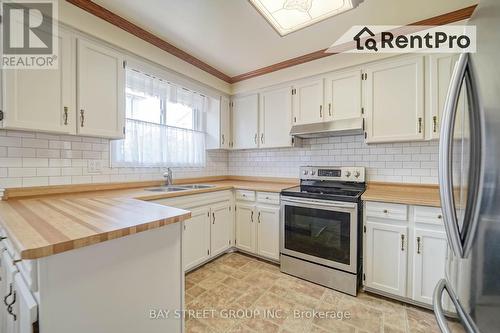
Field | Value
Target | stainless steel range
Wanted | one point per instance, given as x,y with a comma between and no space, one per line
320,232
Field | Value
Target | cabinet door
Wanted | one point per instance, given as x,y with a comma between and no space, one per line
25,307
275,120
394,100
221,228
43,99
100,91
268,220
196,238
386,257
245,116
225,125
441,69
308,102
245,227
429,263
9,271
343,95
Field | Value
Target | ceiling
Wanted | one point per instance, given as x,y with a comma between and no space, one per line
233,37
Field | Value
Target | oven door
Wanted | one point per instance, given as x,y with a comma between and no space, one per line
320,231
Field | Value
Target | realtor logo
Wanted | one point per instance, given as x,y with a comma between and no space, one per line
29,31
406,39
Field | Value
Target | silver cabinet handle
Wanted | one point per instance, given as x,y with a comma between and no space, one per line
251,217
213,218
65,115
441,286
321,111
418,245
82,117
462,71
330,109
258,217
223,140
255,138
402,242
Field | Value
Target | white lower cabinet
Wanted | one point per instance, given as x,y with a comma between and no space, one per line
18,308
268,219
221,228
404,254
429,262
245,227
257,223
196,238
386,261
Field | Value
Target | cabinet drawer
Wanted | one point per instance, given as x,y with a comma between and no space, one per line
244,195
268,198
386,210
429,215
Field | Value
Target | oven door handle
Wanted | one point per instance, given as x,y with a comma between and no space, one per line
320,203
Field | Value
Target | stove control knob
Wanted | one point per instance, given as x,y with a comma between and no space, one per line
305,172
357,174
313,173
348,173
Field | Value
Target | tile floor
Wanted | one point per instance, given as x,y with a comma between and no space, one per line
240,293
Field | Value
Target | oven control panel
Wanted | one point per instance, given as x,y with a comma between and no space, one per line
352,174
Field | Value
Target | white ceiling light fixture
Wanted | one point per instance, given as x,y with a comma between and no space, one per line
287,16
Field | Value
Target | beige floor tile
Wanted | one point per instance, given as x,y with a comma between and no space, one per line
237,281
196,326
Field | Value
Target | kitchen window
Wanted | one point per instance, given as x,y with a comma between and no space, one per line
164,125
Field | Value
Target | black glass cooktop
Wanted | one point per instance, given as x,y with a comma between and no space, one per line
340,191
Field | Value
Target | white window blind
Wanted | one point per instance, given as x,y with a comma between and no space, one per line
165,125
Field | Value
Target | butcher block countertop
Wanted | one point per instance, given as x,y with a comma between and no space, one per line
410,194
42,221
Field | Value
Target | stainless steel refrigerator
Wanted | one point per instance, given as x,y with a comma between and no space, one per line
469,179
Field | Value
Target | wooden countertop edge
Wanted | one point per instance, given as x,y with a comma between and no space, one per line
18,192
48,250
400,193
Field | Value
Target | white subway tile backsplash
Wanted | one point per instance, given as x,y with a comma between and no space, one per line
35,143
62,159
391,162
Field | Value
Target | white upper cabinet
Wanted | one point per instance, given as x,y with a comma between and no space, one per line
343,95
225,123
275,119
394,100
218,124
440,71
43,99
245,121
100,90
308,102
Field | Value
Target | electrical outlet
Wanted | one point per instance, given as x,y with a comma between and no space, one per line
94,166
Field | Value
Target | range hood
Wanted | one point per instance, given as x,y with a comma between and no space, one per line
348,126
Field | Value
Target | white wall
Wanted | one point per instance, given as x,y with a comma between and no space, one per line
414,162
38,159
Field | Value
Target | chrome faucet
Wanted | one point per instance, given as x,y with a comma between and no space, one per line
168,177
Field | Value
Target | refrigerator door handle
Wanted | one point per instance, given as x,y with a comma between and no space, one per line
439,313
445,156
461,244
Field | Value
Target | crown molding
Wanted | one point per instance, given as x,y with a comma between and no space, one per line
122,23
